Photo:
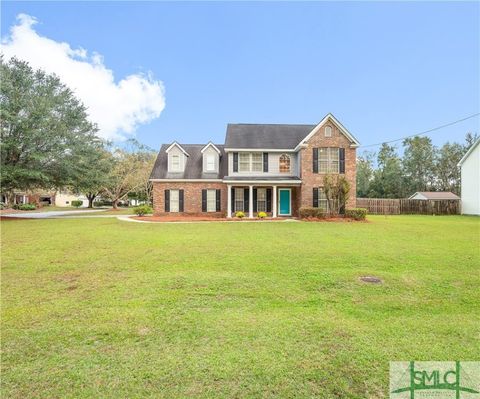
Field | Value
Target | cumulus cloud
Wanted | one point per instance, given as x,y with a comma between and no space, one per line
117,107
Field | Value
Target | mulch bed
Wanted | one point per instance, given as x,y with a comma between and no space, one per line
217,219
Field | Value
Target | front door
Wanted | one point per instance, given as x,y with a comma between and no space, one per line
284,202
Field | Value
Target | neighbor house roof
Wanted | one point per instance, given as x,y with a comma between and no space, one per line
470,150
260,136
437,195
193,167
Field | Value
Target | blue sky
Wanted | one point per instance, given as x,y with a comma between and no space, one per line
385,70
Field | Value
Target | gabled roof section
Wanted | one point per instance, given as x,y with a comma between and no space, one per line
210,144
193,166
470,150
175,144
343,129
265,136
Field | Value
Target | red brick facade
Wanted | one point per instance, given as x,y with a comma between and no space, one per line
192,197
301,195
311,179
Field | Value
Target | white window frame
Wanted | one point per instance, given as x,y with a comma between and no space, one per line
328,131
211,200
174,201
261,200
256,161
329,160
239,199
210,163
250,162
175,167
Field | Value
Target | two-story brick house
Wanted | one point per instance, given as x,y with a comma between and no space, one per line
271,168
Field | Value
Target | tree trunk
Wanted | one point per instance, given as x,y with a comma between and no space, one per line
115,204
90,198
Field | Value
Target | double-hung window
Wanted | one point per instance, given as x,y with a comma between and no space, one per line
175,163
211,200
239,199
322,199
174,201
210,163
328,160
257,162
261,200
250,162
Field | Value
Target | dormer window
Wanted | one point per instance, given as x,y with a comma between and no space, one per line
176,163
284,163
328,131
210,163
177,158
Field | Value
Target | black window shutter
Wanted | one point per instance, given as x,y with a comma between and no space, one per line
265,162
245,200
341,156
167,200
233,199
180,200
315,197
204,200
315,160
269,200
235,161
218,202
254,200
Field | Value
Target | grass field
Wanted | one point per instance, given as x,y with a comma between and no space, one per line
99,308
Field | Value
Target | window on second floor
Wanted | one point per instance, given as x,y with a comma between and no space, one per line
210,163
284,163
328,160
175,163
250,162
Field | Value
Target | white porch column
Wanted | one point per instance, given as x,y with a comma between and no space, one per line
250,201
274,202
229,201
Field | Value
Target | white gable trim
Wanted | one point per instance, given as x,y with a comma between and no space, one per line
343,129
210,144
179,146
470,150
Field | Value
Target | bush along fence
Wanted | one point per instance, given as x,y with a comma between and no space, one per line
386,206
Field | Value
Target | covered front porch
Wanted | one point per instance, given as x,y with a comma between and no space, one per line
277,198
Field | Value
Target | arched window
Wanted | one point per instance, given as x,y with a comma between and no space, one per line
284,163
328,131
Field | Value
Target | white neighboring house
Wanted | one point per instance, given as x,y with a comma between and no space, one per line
64,199
434,195
470,164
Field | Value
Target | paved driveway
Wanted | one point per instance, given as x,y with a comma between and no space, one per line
49,215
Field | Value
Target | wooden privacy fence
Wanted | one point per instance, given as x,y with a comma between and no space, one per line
386,206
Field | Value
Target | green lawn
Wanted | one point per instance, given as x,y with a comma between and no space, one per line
100,308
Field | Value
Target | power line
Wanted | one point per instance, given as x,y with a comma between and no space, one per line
425,132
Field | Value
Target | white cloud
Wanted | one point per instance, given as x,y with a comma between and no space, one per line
117,108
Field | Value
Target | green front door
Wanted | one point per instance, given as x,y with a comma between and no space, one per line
284,207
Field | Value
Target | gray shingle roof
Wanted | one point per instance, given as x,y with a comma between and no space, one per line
245,135
193,167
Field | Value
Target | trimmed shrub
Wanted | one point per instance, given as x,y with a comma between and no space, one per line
142,210
77,203
356,213
311,212
262,215
2,205
27,207
240,215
